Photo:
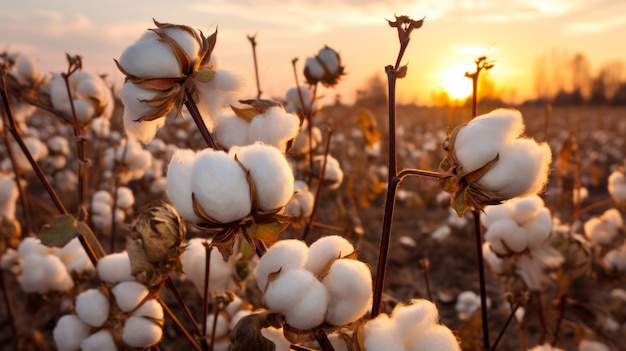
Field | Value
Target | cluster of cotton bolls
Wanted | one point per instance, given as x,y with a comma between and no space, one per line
42,269
414,326
272,126
103,210
316,284
225,322
520,230
111,319
37,149
91,97
58,151
128,161
603,229
466,303
217,182
24,73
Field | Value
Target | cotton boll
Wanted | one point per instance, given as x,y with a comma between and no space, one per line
230,130
270,172
221,327
56,276
492,259
310,309
128,295
301,204
125,198
617,186
37,149
526,208
140,332
314,68
466,303
380,334
532,268
616,259
99,341
521,169
185,40
32,245
274,127
283,255
602,230
349,285
506,236
410,319
217,94
288,289
84,110
134,100
101,127
70,332
150,59
92,307
179,183
301,144
437,337
325,250
150,309
613,217
333,174
441,233
33,275
539,228
220,186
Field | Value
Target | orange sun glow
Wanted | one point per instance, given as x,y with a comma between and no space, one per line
454,82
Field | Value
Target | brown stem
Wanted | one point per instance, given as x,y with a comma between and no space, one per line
411,172
481,279
9,305
543,319
426,267
322,339
592,207
557,328
320,185
116,184
197,118
26,211
216,313
172,288
252,39
506,324
205,306
178,324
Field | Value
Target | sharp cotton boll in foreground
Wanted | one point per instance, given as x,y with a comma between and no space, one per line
283,255
230,130
325,250
410,319
92,307
99,341
274,127
141,332
349,285
505,236
380,334
128,295
115,268
288,289
437,337
179,183
70,332
309,312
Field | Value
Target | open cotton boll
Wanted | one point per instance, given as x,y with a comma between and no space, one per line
125,198
221,327
36,147
288,289
179,183
283,255
301,144
32,245
128,295
409,320
532,268
140,332
270,172
301,204
276,336
437,337
380,334
220,186
101,340
491,258
506,236
230,130
538,229
293,97
217,94
58,145
616,259
333,175
480,140
274,127
150,58
349,285
92,307
310,310
466,303
617,186
602,230
56,276
74,256
325,250
70,332
150,309
521,169
526,208
33,275
314,68
9,193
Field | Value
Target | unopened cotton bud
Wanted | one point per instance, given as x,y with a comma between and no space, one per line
380,334
101,340
283,255
70,332
437,337
92,307
128,295
141,332
325,250
179,183
270,172
349,285
220,186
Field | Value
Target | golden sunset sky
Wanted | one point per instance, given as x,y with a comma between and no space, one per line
513,33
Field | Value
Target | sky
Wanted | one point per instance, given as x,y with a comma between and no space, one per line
512,33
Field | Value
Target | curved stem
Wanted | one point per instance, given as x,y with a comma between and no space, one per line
481,279
506,324
411,172
26,210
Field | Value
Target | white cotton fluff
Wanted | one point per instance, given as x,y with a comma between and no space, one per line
538,229
330,59
288,289
9,194
310,311
36,147
220,186
150,309
526,208
32,245
70,332
92,307
91,96
58,145
283,255
616,259
590,345
100,127
338,342
125,198
617,186
276,336
101,340
272,176
221,272
380,334
25,71
466,303
115,268
442,232
301,144
218,94
235,318
179,183
128,295
411,319
301,204
314,68
140,332
294,103
349,285
333,175
492,259
135,107
150,58
437,337
602,230
46,273
533,268
325,250
230,130
274,127
221,327
505,237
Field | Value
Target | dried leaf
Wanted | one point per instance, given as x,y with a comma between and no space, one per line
368,125
246,335
268,232
247,114
204,75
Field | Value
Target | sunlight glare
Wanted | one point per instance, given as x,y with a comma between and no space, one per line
454,82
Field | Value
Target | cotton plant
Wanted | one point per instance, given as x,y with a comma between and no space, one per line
413,326
110,318
58,152
301,99
185,69
519,231
489,161
232,193
261,121
310,286
615,259
603,229
90,98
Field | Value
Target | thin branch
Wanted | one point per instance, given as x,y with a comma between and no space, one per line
252,39
481,279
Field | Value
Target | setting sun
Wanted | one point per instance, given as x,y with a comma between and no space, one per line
454,82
